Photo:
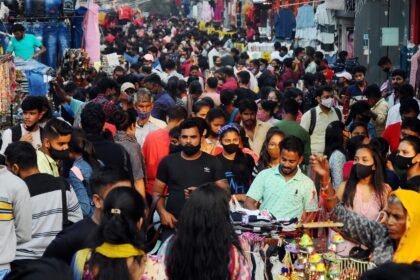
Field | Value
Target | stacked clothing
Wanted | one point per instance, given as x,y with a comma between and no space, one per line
326,27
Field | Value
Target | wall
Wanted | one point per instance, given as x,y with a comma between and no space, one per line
375,15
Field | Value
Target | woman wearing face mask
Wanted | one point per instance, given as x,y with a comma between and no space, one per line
393,238
265,111
270,151
215,120
365,192
408,161
237,165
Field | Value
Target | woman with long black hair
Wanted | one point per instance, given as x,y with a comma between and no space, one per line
119,253
85,161
237,165
205,245
335,152
270,151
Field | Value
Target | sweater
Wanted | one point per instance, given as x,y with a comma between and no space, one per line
15,215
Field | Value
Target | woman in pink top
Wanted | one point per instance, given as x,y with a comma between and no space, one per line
365,192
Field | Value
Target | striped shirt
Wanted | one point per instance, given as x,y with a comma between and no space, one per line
47,213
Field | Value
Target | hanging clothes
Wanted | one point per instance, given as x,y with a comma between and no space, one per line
91,32
415,70
305,25
284,24
326,27
207,12
218,10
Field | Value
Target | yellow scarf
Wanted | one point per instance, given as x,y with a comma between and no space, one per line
408,250
119,250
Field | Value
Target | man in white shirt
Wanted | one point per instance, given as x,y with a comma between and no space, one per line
169,68
215,51
29,130
253,83
406,91
143,104
325,113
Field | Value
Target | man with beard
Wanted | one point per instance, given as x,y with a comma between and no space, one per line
29,130
255,130
193,168
398,78
55,146
285,191
25,45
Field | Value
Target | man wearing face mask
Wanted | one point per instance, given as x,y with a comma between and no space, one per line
316,120
29,130
46,201
146,123
408,161
355,91
215,51
285,191
194,168
55,146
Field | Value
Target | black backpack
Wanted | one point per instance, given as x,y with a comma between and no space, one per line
313,118
17,132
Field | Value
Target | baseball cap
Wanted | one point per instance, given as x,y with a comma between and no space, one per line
345,75
148,57
126,86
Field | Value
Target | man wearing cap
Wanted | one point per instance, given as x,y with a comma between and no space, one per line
163,101
344,79
127,95
148,61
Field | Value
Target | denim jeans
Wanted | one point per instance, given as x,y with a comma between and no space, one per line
34,8
37,85
3,273
52,8
56,37
77,28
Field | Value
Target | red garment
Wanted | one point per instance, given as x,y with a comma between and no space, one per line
125,13
392,135
288,74
347,169
230,84
111,128
155,148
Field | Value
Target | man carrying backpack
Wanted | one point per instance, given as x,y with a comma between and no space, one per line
316,120
28,131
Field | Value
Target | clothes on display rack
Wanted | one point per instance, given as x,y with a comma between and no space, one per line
415,72
284,24
305,25
77,27
7,83
56,38
406,53
218,10
36,73
92,35
326,27
207,12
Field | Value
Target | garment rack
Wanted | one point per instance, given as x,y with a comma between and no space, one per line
294,4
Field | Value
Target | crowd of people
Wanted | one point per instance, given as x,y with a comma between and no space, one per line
183,124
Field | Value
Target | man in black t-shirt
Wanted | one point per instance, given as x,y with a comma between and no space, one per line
183,172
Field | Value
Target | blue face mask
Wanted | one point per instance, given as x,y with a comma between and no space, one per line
143,116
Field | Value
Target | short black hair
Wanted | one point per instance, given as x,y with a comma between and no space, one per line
191,123
310,51
22,154
406,92
106,83
408,106
359,124
414,142
175,132
359,69
55,128
18,28
228,71
214,114
298,50
359,107
212,82
124,119
169,64
412,124
319,55
291,106
384,60
247,104
293,144
227,96
32,103
92,118
269,106
197,106
277,45
177,113
288,62
105,176
244,77
372,90
194,67
153,78
399,72
321,90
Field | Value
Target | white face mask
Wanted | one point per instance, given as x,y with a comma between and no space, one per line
328,103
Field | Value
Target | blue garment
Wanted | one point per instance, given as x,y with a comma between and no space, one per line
37,85
284,23
163,103
4,40
131,59
3,273
305,17
81,187
37,29
56,37
53,8
354,90
77,27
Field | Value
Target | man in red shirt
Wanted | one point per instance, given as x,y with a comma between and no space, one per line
408,109
156,146
228,77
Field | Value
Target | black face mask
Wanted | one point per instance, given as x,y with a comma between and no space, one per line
59,155
360,83
363,171
403,163
365,119
174,148
230,148
191,150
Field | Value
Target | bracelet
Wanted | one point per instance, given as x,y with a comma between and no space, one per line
326,185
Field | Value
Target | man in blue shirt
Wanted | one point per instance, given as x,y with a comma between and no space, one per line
24,45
